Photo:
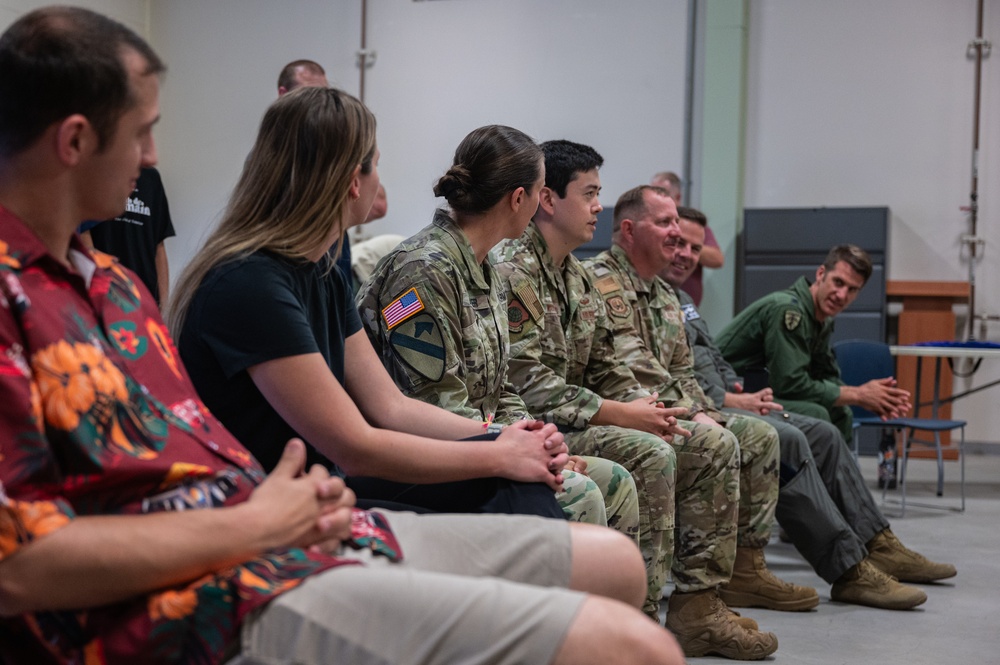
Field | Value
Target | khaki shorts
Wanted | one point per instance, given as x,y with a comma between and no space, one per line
471,589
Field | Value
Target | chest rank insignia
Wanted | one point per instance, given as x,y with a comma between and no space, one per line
792,319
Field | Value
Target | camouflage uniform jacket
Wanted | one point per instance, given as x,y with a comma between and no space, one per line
446,343
715,375
649,331
562,356
780,331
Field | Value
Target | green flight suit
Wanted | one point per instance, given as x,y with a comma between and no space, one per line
780,332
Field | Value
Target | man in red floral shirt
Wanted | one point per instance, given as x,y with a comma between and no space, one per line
135,528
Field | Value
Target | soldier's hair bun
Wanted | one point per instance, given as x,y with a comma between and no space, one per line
453,184
490,162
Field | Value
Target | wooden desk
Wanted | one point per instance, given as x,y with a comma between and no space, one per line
926,317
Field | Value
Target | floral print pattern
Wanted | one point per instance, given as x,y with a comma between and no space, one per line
85,430
73,378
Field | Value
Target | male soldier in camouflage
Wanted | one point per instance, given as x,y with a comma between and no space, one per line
789,333
649,337
453,354
563,365
823,503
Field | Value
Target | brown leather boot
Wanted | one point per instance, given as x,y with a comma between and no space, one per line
703,625
753,585
894,558
865,584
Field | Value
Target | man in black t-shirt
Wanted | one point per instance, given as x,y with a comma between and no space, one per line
136,236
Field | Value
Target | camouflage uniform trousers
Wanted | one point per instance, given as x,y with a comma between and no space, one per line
606,496
652,466
760,456
708,495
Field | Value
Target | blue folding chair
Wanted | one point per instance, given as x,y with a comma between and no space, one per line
861,361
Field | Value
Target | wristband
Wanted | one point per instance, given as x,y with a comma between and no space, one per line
491,427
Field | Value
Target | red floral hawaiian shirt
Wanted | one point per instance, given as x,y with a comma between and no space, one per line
98,416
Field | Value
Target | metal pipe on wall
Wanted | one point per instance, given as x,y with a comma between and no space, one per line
972,240
366,58
362,54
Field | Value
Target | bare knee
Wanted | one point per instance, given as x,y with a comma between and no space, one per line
605,629
607,563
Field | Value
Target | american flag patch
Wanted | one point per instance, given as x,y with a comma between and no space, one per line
402,308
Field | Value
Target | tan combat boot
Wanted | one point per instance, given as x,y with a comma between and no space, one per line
894,558
746,622
703,626
753,585
864,584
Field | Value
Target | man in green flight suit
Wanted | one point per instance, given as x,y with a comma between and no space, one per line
564,367
788,332
823,504
649,336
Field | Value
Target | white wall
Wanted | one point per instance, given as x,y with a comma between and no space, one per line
607,74
610,74
223,61
133,13
858,102
854,102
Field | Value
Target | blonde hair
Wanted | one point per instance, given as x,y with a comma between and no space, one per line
292,194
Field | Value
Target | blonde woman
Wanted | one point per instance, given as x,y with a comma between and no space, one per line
273,343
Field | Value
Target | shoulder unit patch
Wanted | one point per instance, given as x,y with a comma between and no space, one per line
516,315
418,343
618,307
792,319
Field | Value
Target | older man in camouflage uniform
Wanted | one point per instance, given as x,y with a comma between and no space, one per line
450,349
564,367
823,503
649,336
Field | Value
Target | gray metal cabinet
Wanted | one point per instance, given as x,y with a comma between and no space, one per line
778,245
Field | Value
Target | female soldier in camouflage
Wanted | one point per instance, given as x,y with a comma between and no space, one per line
436,312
